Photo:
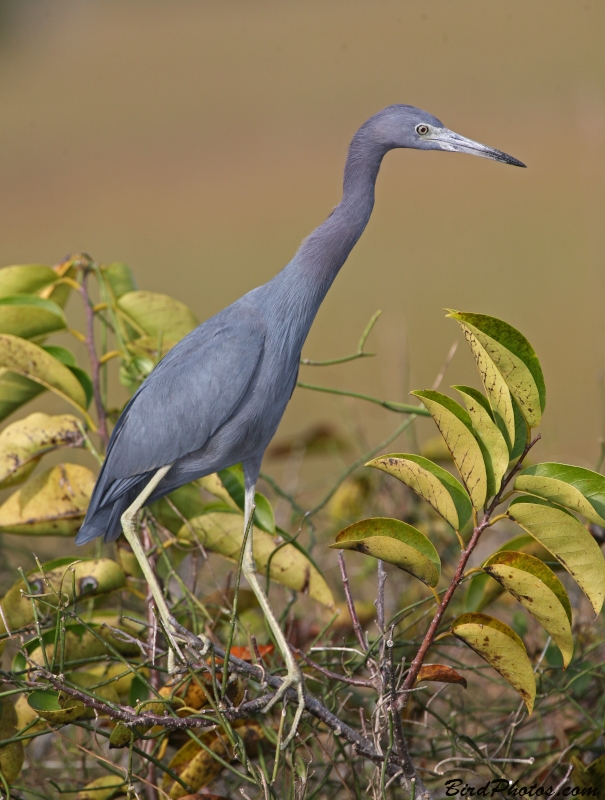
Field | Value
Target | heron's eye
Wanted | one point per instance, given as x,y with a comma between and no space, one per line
422,129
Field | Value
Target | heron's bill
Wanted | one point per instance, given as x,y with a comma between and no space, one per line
448,140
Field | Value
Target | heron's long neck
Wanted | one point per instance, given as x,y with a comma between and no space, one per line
323,253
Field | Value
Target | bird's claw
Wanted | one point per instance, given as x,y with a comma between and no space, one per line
293,680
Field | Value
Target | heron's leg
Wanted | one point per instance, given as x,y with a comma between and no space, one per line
293,679
129,528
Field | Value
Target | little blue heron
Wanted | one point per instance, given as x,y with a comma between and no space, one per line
217,397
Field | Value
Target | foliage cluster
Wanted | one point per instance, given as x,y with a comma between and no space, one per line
84,668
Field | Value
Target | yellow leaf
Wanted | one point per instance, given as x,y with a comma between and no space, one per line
492,442
223,533
27,359
500,646
539,590
23,443
568,540
157,314
456,428
397,543
53,503
513,357
433,483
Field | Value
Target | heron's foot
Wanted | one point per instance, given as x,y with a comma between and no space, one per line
293,680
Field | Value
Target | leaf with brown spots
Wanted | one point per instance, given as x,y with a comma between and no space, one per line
53,503
431,482
491,441
567,539
395,542
513,357
456,427
26,359
576,488
500,646
539,590
198,766
23,443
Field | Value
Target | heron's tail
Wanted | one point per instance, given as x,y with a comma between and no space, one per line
104,521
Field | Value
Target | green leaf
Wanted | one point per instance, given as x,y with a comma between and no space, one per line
15,391
539,590
27,359
492,442
223,533
514,358
397,543
157,314
120,278
500,646
232,479
25,279
456,428
173,511
23,443
576,488
46,704
85,382
568,540
62,354
433,483
53,503
520,431
66,357
11,755
29,316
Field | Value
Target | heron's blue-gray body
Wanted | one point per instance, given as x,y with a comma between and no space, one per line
217,397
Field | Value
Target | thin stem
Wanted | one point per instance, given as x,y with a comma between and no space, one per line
94,360
359,353
400,408
332,675
350,604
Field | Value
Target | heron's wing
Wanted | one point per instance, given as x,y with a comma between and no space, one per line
196,388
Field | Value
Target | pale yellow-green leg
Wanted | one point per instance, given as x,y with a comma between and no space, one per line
129,527
294,678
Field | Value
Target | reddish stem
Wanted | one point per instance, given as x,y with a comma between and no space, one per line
95,366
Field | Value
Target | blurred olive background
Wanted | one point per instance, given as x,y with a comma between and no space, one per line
201,141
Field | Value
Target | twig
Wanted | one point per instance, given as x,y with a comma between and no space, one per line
365,682
351,605
94,360
390,405
401,745
359,353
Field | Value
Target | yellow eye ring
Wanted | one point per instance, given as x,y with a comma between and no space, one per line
422,129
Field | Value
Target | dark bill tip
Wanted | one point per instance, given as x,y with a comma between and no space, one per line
498,155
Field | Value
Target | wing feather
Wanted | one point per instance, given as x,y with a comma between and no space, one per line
194,390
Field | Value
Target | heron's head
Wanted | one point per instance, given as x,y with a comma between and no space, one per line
407,126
